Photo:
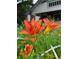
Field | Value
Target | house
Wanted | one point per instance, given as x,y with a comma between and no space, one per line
45,7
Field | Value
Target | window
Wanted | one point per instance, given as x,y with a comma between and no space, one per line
50,4
59,2
54,3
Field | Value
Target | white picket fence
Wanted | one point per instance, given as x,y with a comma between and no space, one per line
53,49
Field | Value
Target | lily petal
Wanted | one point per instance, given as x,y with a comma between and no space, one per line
46,21
24,32
38,24
27,25
33,22
29,48
42,28
54,26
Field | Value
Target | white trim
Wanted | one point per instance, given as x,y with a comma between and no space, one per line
19,2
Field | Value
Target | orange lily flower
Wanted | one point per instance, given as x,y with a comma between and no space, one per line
50,25
28,50
32,27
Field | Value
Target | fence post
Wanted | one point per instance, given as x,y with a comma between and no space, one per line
56,56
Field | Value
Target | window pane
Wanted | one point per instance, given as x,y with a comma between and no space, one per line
55,3
59,2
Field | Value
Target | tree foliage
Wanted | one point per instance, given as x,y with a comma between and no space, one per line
22,8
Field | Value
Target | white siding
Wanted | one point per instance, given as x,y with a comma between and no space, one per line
45,8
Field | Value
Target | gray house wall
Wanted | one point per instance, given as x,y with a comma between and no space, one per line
44,7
